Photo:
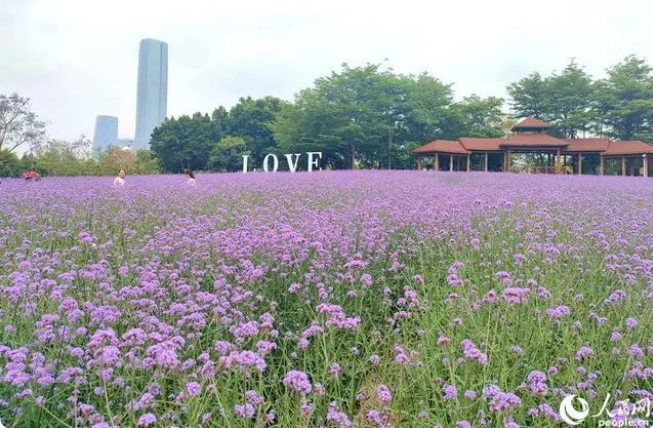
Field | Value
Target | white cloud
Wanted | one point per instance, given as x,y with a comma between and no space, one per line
77,59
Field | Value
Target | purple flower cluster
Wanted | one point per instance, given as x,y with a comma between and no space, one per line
384,395
145,306
473,353
298,381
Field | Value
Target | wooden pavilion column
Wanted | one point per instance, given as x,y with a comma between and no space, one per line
601,165
486,155
419,163
623,166
580,163
469,162
450,163
508,161
645,165
548,163
436,163
557,161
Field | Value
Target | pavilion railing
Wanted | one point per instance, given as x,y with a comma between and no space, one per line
537,170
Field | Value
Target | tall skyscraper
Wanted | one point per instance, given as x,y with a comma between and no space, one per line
106,132
152,93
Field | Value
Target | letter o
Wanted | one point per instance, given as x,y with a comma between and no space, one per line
265,163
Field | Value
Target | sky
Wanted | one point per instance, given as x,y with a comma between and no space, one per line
77,59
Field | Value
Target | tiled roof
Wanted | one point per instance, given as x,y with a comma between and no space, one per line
531,123
487,144
604,146
628,148
587,145
443,146
534,140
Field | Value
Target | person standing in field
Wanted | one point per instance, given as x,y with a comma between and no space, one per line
191,177
120,179
31,175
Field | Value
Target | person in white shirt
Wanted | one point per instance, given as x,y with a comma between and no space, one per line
120,179
191,177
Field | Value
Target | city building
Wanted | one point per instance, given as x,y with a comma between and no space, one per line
152,91
125,142
599,156
106,132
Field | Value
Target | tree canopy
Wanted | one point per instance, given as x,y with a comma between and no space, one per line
368,115
619,106
359,117
227,154
19,125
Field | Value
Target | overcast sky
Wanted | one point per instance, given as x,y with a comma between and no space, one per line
77,59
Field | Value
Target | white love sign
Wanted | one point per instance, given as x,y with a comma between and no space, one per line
292,159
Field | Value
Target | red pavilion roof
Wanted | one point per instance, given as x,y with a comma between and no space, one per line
443,146
587,145
628,148
531,123
533,140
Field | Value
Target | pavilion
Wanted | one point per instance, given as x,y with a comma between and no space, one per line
581,156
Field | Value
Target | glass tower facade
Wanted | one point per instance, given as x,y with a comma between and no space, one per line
152,92
106,132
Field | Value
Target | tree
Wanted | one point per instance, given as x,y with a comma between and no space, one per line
145,162
28,161
57,157
479,117
227,154
251,119
426,113
347,115
402,156
10,165
569,102
116,158
528,96
18,124
624,100
187,141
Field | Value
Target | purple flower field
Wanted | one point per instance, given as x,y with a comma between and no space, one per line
333,299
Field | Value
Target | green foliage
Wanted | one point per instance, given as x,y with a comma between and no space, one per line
19,125
529,96
625,100
191,141
10,165
345,116
564,99
186,141
479,117
569,102
65,158
402,158
427,109
358,117
227,154
619,106
367,115
145,162
251,120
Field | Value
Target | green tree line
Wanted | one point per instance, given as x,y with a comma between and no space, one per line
372,117
619,106
64,158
